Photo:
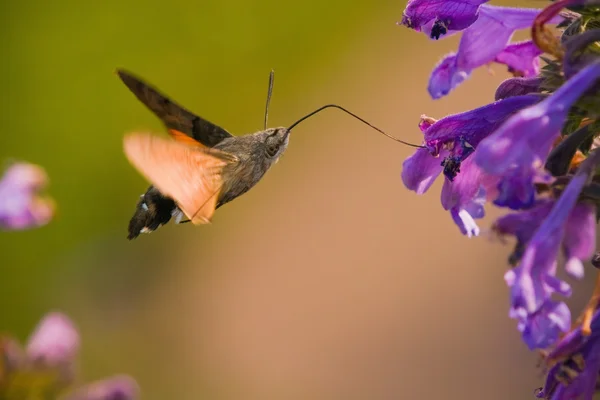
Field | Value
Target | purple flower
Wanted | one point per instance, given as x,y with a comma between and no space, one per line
440,17
570,225
517,150
21,206
55,341
575,365
485,41
541,328
47,366
448,144
518,87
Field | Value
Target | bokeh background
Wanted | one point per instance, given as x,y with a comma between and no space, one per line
328,280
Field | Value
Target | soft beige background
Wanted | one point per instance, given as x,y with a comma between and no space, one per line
329,280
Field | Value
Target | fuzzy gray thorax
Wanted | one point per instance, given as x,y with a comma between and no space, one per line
256,153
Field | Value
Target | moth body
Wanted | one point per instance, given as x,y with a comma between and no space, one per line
203,168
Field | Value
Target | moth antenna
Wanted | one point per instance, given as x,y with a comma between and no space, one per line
355,116
269,94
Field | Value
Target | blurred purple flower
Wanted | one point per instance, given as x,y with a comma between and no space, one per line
54,343
517,150
440,17
47,366
518,87
575,365
485,41
569,224
448,144
21,206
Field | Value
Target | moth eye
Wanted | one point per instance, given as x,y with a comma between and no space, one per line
272,150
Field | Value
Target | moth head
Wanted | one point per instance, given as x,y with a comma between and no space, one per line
276,141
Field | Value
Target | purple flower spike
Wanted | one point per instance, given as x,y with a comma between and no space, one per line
517,150
440,17
116,388
20,205
54,343
533,282
575,374
485,41
518,87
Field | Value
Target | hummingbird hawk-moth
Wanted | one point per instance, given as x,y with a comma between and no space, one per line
204,167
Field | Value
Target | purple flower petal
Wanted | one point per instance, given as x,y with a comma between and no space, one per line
533,282
464,197
489,36
20,205
584,384
523,225
475,125
446,75
420,170
540,329
481,43
116,388
574,340
579,242
521,57
55,341
517,150
440,16
518,87
577,357
465,222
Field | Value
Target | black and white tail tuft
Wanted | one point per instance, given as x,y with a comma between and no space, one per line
153,210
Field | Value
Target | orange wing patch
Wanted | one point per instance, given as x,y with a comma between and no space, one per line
190,174
183,138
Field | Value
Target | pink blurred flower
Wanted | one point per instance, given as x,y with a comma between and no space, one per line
21,205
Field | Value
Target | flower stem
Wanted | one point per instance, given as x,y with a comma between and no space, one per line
542,36
585,319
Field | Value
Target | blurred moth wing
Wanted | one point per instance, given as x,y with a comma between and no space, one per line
186,171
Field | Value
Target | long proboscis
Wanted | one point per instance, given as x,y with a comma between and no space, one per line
355,116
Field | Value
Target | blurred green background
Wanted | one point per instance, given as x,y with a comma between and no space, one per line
326,281
65,109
